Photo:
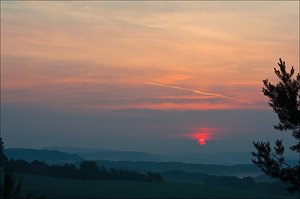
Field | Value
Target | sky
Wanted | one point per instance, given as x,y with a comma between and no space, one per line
152,76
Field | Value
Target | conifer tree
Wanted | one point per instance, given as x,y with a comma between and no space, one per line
284,98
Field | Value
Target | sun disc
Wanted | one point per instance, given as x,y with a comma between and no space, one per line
201,141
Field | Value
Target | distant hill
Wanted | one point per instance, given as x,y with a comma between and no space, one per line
228,158
264,178
223,158
139,161
241,170
119,155
76,149
104,154
48,156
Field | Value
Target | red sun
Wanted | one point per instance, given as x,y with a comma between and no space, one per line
201,141
201,135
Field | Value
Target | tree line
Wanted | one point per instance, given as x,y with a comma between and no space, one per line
87,170
10,185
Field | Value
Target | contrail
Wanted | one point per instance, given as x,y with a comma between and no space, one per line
192,90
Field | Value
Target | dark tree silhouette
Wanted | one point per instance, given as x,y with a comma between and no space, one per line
284,98
89,170
12,186
154,177
3,158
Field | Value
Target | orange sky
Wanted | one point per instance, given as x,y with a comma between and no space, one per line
86,74
100,55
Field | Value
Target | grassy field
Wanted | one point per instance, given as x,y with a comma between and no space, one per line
51,187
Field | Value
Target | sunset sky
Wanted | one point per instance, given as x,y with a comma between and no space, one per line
148,76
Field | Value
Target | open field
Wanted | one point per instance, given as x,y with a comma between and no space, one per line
51,187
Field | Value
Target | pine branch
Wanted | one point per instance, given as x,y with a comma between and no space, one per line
282,162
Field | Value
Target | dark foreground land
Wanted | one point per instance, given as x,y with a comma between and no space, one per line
58,188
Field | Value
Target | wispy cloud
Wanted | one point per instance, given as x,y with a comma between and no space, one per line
192,90
100,52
